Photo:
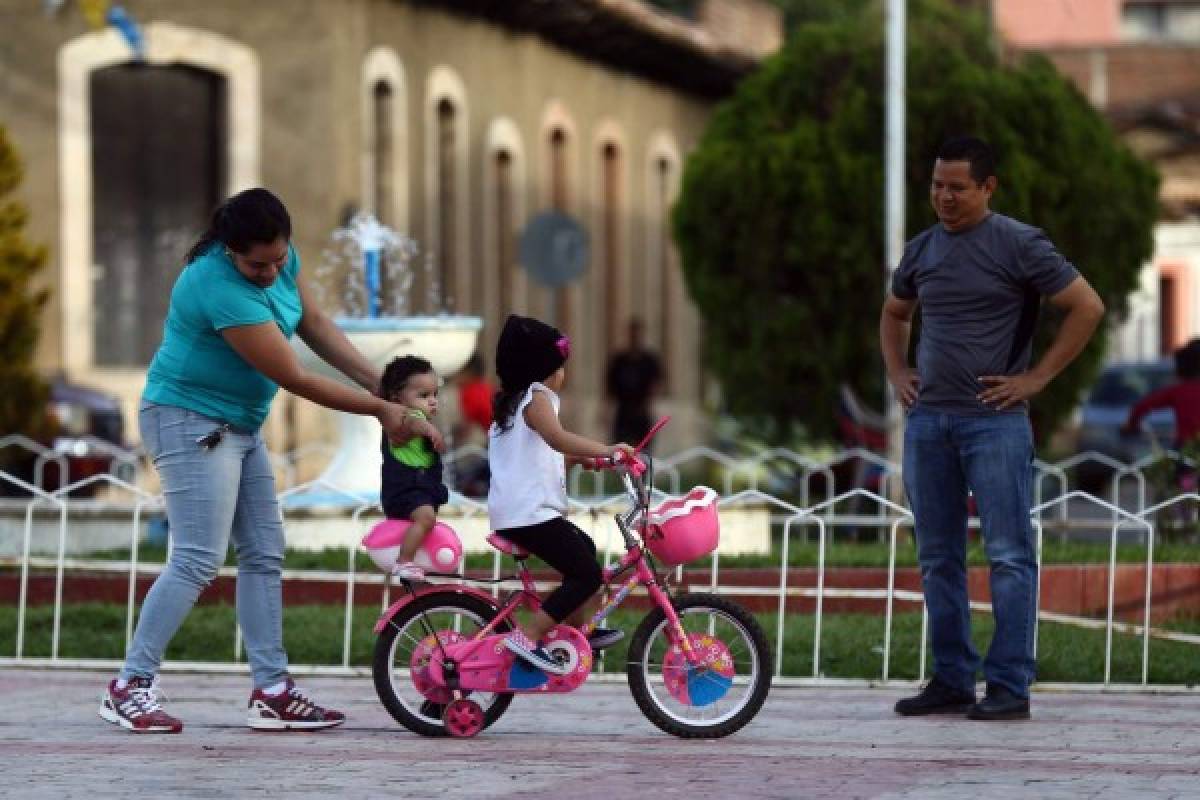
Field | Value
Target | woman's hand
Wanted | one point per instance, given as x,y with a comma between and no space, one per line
423,427
400,425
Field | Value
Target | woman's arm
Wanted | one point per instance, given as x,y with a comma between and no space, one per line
329,343
540,416
265,349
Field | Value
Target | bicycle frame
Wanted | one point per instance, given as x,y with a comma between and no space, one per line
635,556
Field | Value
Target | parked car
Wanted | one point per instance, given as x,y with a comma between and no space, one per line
1106,409
90,427
89,435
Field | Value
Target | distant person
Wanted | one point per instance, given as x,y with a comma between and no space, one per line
470,472
223,357
979,278
634,376
1182,397
411,481
475,393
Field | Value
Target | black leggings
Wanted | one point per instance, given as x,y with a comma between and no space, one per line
568,550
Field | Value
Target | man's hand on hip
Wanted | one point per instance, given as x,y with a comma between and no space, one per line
1006,391
905,383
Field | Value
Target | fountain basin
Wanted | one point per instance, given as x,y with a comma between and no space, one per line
353,474
445,341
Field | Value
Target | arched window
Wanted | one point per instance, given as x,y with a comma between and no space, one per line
383,149
501,284
505,255
447,200
610,234
557,178
665,266
219,98
384,138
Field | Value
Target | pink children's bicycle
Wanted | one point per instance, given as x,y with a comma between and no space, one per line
698,664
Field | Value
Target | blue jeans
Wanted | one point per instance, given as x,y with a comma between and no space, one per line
945,455
213,495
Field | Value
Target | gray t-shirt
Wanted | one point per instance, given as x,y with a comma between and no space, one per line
979,292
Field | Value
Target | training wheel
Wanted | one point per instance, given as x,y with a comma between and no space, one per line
463,718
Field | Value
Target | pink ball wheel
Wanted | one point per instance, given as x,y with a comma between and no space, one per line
463,718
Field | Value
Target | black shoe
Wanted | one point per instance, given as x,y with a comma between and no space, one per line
605,637
999,703
936,698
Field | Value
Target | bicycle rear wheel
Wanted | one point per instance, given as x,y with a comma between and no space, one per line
720,696
408,641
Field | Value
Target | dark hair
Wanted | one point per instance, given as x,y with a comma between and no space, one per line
527,351
504,406
397,373
253,216
975,152
1187,360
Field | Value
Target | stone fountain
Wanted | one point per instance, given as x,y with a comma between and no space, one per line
375,267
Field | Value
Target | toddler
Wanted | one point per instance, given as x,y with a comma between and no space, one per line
412,486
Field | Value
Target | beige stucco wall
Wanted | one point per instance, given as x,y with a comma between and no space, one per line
310,57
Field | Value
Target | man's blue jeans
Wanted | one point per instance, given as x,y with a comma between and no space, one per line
945,455
213,495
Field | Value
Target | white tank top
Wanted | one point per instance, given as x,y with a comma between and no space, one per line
529,477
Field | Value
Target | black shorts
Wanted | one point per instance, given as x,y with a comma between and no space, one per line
405,489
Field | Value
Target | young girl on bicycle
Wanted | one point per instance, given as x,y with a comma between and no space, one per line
527,500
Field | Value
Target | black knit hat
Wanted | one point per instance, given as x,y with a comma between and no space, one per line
528,351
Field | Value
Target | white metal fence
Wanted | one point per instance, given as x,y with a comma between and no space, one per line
849,490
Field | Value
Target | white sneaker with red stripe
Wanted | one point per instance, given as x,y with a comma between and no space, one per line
290,710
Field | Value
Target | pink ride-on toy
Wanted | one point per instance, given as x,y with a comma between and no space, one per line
698,665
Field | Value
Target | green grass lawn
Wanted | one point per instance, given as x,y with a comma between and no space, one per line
800,554
851,644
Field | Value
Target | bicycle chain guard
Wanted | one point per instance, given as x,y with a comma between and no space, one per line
425,650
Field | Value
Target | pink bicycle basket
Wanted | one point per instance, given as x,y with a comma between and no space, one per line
684,528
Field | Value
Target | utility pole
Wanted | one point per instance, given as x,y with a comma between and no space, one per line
895,20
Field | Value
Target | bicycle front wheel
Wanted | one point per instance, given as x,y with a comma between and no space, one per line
716,698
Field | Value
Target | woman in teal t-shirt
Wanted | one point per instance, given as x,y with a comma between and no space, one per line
223,357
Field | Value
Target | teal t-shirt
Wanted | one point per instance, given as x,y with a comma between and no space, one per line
195,368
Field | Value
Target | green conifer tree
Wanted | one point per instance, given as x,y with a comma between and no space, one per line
23,393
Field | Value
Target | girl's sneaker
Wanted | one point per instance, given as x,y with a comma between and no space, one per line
409,571
289,710
533,654
136,708
605,637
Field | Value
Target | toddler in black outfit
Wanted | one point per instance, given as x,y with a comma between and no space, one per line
412,487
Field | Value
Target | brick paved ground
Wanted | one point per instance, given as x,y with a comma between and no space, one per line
805,744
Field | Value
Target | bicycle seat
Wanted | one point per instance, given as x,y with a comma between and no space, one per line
505,546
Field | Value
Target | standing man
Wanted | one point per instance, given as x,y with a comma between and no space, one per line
633,377
979,278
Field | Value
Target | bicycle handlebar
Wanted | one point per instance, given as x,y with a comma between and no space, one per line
617,461
633,463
